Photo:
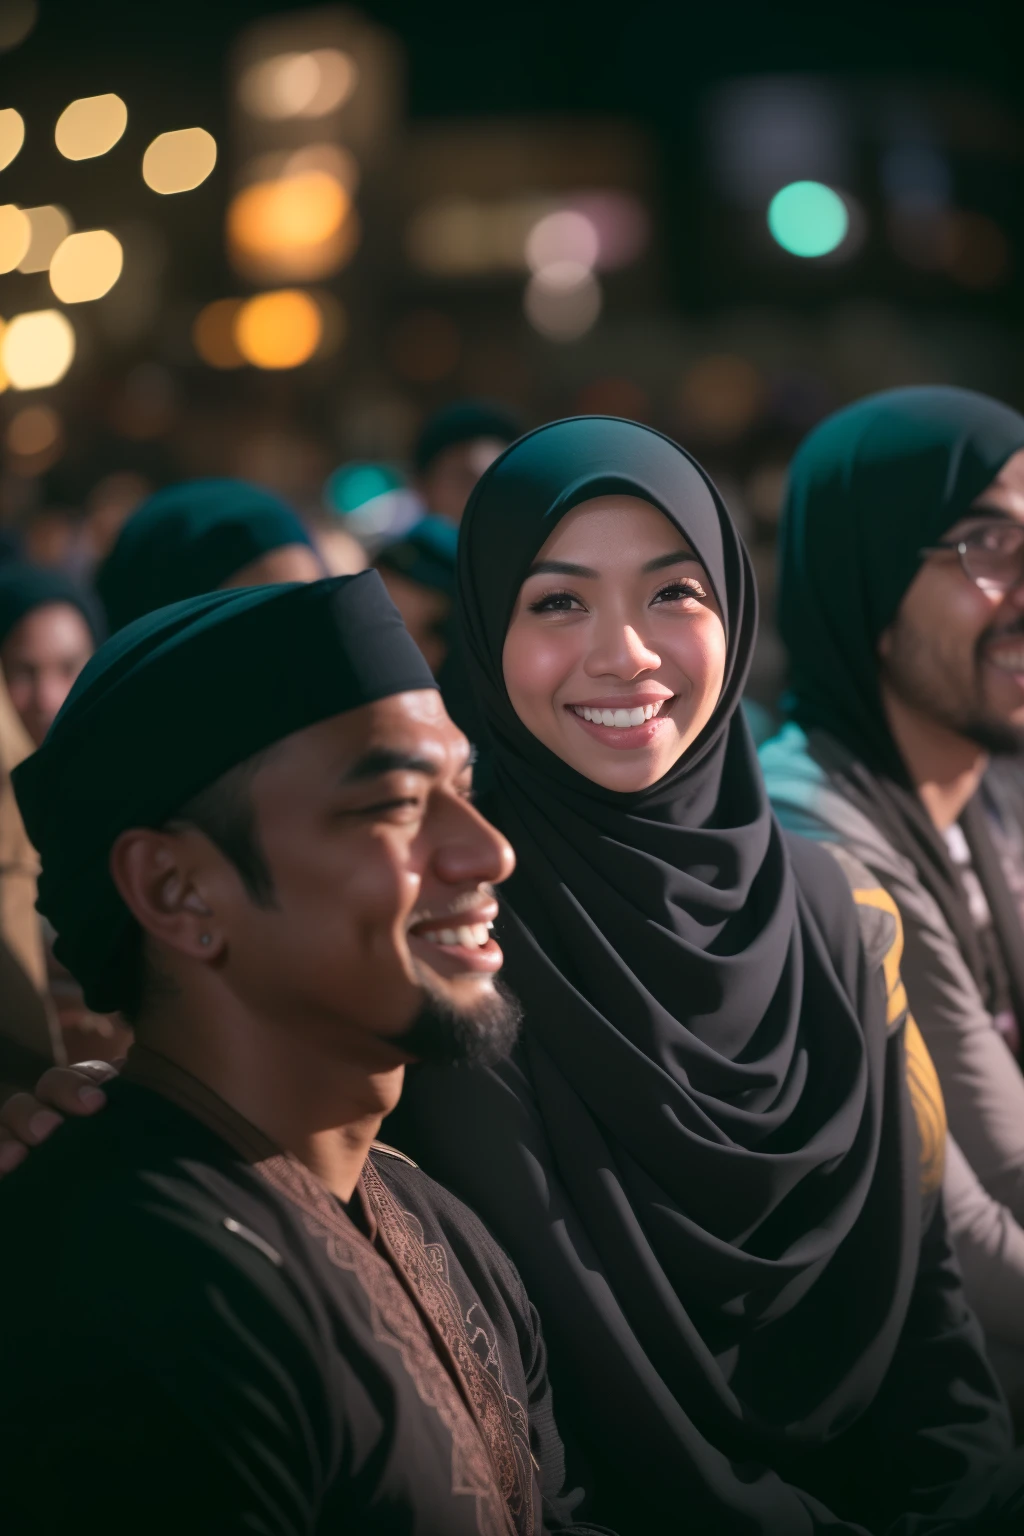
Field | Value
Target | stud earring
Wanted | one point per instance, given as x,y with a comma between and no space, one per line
205,938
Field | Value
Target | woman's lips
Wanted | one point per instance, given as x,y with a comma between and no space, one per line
624,728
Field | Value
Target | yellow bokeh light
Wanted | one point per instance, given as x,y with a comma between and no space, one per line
38,348
49,225
300,227
213,334
90,126
15,236
86,266
278,330
179,161
12,135
299,84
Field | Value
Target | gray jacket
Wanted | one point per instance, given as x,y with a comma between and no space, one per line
982,1085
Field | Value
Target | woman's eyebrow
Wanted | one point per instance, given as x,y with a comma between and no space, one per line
561,568
663,560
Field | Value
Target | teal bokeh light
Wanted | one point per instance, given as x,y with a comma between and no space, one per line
808,219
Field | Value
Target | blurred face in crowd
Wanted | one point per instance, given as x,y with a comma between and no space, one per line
446,483
292,562
369,935
424,611
955,652
615,654
41,657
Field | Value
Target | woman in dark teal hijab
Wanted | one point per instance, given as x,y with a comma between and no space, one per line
195,537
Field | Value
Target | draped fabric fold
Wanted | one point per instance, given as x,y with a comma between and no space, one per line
701,1158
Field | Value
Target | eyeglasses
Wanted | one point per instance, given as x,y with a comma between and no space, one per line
991,555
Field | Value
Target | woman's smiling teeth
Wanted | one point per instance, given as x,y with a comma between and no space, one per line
622,718
473,937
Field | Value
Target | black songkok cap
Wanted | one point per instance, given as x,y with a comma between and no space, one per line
463,422
168,705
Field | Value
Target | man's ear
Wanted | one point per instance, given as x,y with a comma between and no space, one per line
156,877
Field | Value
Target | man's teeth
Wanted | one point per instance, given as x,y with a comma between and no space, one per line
1009,660
474,936
618,717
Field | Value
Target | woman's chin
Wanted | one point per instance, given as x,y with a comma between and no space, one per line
624,771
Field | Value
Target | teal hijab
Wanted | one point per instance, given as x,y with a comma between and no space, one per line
190,539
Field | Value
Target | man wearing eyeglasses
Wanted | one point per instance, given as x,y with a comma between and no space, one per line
901,604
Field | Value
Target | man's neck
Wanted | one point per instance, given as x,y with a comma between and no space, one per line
325,1111
945,767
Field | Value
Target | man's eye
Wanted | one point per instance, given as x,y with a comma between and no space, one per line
391,805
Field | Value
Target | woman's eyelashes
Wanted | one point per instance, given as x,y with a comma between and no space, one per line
671,592
556,602
675,591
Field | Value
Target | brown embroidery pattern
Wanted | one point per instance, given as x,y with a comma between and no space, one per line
503,1419
396,1323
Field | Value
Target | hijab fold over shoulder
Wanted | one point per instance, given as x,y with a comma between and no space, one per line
701,1151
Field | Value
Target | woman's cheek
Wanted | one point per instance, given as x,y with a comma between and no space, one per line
698,652
536,666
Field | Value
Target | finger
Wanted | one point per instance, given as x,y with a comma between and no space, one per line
11,1153
74,1090
27,1120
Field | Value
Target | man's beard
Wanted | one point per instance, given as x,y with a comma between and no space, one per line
442,1034
917,675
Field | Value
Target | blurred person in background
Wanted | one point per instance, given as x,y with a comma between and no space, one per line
49,628
198,536
455,445
901,603
48,631
341,552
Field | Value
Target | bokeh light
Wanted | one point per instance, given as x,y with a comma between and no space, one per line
12,135
622,225
720,397
278,330
49,225
563,300
15,236
17,18
34,430
299,84
38,348
90,126
808,219
332,159
213,334
86,266
298,227
179,161
562,236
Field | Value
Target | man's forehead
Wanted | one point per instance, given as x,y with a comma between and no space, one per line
1005,494
412,725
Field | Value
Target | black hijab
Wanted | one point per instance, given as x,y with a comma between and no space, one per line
694,1159
868,489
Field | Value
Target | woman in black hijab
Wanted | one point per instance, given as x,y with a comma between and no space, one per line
703,1156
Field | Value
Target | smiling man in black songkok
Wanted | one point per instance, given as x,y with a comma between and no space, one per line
232,1309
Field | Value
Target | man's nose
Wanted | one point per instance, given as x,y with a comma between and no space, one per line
469,850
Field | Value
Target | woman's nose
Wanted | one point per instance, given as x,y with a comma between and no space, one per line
621,652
